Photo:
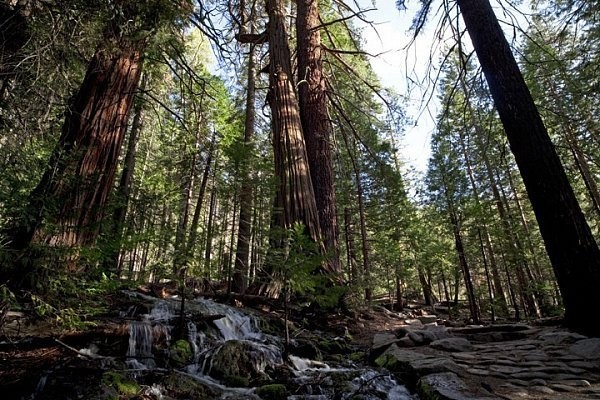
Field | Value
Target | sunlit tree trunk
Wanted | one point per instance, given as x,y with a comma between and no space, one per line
316,125
571,247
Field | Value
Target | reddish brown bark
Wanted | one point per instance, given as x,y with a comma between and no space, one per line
295,199
67,205
316,125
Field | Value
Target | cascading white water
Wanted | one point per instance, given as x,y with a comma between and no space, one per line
142,335
314,379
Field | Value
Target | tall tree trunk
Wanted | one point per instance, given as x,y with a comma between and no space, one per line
482,225
67,206
242,255
568,238
316,125
295,199
466,270
193,236
514,247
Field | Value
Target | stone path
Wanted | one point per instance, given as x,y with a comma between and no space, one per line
504,362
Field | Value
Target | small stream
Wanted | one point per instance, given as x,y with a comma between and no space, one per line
234,346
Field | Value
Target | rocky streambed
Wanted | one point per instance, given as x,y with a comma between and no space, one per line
223,352
215,352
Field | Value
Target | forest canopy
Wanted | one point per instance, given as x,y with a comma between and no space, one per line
250,148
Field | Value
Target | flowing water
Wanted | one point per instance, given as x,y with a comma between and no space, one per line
238,339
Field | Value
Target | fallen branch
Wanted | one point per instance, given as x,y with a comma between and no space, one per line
79,352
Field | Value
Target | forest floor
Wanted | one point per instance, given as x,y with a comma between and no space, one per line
508,361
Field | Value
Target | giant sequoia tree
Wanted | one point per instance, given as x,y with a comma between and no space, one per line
571,247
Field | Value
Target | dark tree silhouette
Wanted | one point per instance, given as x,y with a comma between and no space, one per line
568,239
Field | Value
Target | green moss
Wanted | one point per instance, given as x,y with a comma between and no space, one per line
272,392
333,346
123,385
184,387
425,392
358,356
181,353
387,361
236,381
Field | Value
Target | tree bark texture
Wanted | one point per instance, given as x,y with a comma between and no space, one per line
295,199
242,254
316,125
571,247
67,205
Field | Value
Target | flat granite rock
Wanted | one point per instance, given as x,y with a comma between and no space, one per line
446,386
587,348
452,344
428,335
561,337
383,340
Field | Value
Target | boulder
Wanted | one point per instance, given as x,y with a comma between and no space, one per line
560,337
410,365
241,359
452,344
446,386
587,348
381,342
428,335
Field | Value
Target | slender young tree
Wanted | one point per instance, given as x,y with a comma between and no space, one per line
242,253
571,247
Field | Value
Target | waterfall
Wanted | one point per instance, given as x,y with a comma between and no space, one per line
143,334
235,346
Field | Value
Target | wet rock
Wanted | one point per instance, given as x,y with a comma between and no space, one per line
238,358
272,392
452,344
181,353
306,349
587,348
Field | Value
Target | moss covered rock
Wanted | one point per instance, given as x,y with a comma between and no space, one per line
181,353
241,359
272,392
120,383
184,387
